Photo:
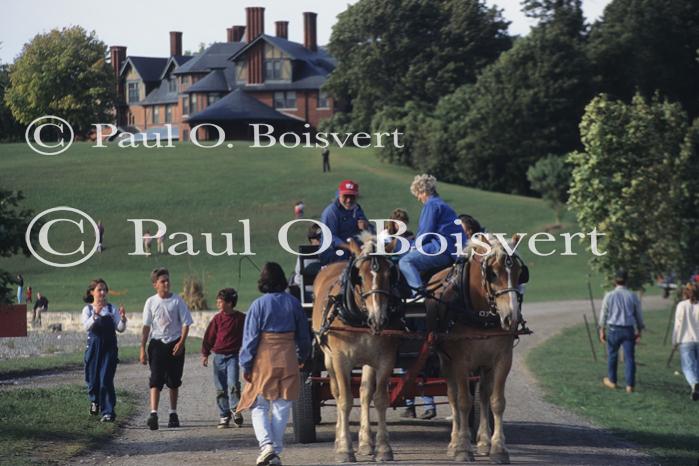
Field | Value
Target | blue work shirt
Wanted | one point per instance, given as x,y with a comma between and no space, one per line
621,307
274,313
437,217
342,223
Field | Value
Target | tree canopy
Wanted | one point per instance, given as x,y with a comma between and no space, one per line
637,183
63,73
13,224
390,52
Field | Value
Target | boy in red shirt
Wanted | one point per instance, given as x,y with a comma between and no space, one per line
223,338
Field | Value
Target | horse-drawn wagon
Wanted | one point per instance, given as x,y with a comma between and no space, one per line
414,370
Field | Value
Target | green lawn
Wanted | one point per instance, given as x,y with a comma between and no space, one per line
48,426
20,367
197,190
660,416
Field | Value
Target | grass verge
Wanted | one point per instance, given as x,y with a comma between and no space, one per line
49,426
23,367
659,416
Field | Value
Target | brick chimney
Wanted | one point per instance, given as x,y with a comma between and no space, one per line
238,33
175,43
117,55
310,39
282,29
255,22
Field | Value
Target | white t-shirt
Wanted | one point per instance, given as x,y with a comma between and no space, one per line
686,323
166,317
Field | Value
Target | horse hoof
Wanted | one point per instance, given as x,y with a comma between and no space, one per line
345,458
500,458
385,456
366,450
464,457
483,450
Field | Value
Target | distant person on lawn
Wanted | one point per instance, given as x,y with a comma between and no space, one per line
686,335
223,338
621,324
41,305
166,321
276,340
101,320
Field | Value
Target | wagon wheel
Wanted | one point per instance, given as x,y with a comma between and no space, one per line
474,416
304,412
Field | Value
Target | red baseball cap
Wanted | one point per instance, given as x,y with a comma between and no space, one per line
348,187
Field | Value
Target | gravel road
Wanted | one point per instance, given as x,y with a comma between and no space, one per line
536,432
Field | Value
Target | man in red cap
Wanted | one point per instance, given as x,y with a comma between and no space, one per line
345,219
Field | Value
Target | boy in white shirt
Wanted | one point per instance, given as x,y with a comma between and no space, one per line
166,321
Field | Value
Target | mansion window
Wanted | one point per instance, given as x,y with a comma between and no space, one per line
323,100
172,85
285,99
133,94
185,105
273,69
156,115
193,103
168,114
211,98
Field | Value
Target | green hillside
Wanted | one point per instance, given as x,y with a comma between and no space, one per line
197,190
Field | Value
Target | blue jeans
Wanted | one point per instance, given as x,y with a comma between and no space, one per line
227,382
617,337
19,294
269,430
428,402
689,358
415,262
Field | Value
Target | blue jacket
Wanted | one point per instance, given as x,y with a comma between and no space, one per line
342,224
438,217
274,313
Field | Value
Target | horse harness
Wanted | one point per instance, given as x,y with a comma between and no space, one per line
345,306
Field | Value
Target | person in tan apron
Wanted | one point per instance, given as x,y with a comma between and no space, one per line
276,339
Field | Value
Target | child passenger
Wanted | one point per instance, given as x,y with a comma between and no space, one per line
223,338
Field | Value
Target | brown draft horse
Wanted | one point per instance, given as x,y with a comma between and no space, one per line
372,279
493,287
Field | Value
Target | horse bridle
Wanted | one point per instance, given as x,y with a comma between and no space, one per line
375,267
491,293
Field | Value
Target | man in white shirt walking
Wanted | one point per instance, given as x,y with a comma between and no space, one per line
166,321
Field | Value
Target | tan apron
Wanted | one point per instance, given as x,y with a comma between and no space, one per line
275,370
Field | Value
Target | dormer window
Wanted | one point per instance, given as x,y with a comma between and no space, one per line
277,65
172,84
133,92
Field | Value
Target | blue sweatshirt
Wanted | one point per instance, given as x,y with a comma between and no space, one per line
274,313
342,224
438,217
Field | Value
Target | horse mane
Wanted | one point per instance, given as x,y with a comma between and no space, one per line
368,243
498,250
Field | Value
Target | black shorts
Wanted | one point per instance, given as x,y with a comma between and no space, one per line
165,369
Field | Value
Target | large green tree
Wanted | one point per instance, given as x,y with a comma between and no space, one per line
524,106
63,73
648,46
10,129
550,176
637,183
390,52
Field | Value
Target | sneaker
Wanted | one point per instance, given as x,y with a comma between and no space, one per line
174,420
153,421
265,455
275,461
224,422
94,409
429,414
695,392
238,419
107,418
408,412
629,389
608,383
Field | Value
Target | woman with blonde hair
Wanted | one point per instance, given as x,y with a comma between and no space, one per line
436,244
686,335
